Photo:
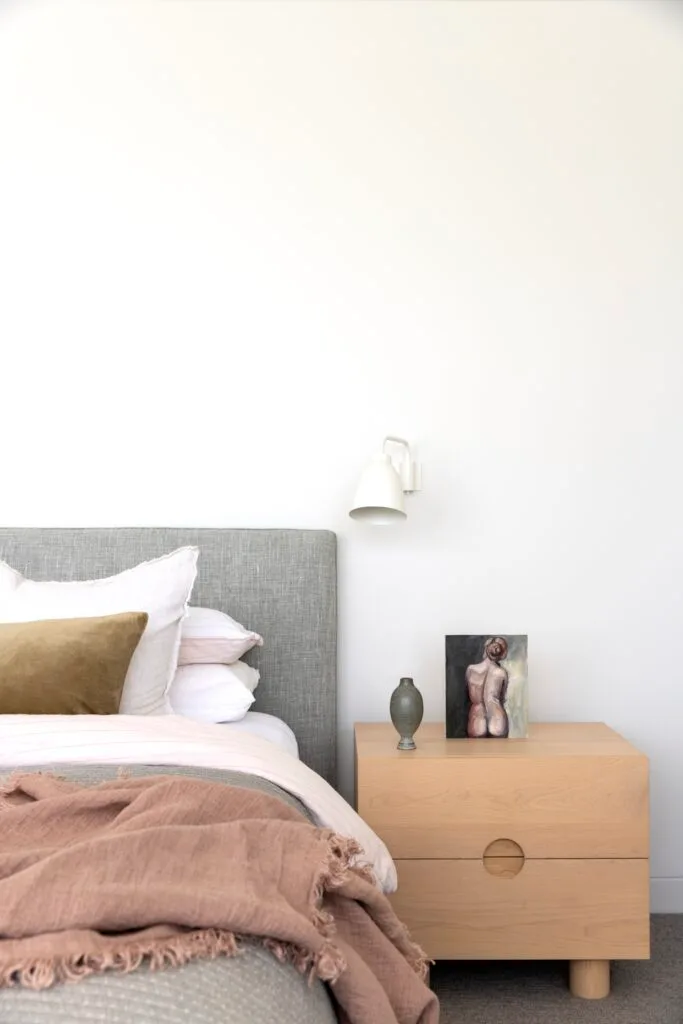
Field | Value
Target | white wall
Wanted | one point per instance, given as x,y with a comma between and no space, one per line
240,242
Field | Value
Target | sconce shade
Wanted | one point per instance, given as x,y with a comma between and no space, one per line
379,495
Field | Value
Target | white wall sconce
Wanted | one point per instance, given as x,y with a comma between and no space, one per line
379,495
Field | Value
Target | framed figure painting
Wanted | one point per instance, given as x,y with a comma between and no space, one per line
486,686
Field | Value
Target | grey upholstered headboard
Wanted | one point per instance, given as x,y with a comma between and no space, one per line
281,583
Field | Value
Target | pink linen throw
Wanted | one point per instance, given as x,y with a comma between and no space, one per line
166,869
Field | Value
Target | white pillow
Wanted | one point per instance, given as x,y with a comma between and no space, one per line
160,587
213,693
210,637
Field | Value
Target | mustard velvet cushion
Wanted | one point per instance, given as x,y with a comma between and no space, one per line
67,666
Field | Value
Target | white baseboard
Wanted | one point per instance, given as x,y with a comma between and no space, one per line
666,895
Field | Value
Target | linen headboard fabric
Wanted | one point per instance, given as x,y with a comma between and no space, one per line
280,583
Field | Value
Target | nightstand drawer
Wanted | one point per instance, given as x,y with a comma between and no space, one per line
552,909
559,806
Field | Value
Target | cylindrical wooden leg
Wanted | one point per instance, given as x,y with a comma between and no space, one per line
589,979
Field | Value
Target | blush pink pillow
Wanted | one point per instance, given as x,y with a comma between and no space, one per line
210,637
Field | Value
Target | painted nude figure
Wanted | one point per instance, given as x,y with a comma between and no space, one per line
487,684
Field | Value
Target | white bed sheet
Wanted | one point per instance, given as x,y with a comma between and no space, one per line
269,727
27,740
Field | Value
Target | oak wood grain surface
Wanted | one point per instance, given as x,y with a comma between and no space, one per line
515,849
551,910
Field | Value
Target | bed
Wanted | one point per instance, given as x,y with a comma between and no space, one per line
283,583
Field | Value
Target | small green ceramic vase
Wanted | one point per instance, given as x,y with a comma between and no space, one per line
406,710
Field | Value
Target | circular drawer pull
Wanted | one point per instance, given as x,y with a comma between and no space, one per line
504,858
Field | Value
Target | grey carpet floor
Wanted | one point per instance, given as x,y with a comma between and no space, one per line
520,992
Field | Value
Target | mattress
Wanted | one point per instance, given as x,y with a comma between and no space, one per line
253,988
269,727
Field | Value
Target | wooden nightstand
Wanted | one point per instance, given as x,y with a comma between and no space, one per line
530,849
